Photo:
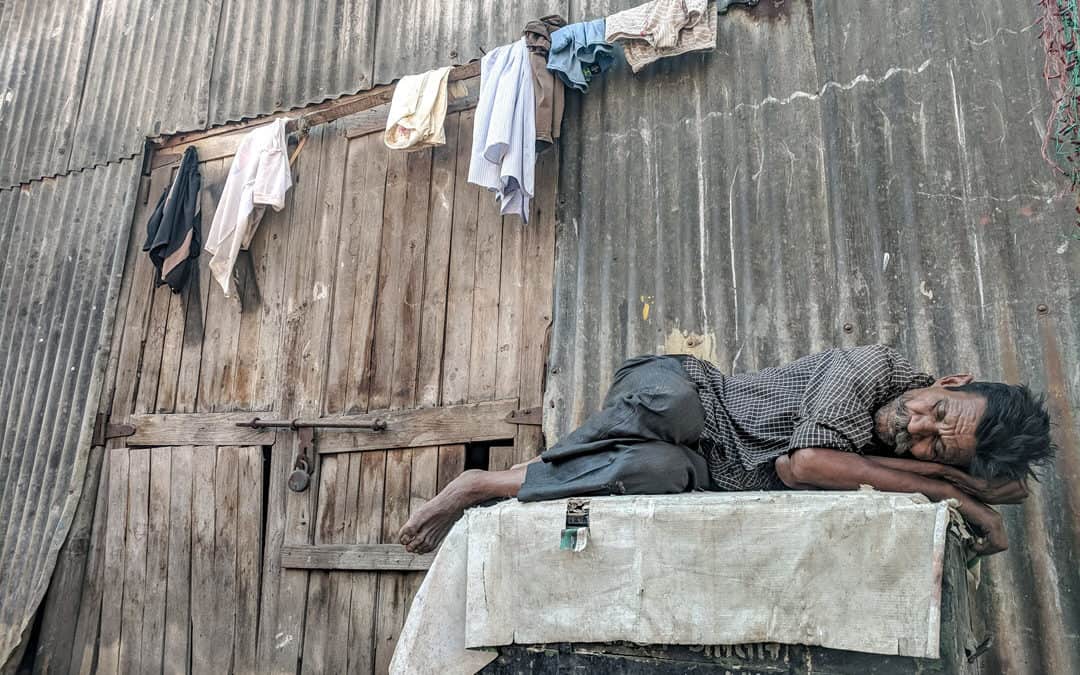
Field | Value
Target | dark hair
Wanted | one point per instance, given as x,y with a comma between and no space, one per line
1014,433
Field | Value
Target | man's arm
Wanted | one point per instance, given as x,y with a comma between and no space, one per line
825,469
986,491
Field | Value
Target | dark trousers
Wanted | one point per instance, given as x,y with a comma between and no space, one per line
643,441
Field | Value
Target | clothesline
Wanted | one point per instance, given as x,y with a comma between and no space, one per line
518,115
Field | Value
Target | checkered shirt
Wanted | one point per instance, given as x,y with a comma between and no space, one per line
825,400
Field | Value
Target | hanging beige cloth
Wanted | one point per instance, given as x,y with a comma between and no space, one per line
663,28
417,111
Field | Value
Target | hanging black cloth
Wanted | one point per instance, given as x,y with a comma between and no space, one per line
174,231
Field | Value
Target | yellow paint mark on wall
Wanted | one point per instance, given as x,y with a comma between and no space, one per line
646,304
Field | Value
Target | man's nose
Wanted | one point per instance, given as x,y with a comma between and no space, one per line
921,425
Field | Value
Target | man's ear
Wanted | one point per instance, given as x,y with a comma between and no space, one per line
954,380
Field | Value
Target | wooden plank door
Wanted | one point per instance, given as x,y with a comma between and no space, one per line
387,287
441,305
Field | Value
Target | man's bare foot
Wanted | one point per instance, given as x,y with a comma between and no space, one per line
427,527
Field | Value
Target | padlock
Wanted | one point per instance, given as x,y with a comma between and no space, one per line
301,475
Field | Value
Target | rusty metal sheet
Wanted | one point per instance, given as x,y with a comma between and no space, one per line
61,262
838,174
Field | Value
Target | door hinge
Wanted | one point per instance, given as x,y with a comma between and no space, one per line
527,416
104,430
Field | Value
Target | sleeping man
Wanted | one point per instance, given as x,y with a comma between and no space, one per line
836,420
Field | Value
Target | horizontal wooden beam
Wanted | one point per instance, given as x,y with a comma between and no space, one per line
197,429
447,425
322,113
356,557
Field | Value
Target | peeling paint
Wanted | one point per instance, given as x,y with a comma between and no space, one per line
680,341
926,290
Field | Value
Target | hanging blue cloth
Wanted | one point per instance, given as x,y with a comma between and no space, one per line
578,53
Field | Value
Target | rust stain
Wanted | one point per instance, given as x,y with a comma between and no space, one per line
1064,425
778,10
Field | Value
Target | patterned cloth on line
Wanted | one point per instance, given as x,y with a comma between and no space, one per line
663,28
825,400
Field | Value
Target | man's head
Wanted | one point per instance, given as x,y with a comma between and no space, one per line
995,430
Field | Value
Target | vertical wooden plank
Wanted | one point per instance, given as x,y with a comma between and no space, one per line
539,266
157,559
485,319
393,586
220,338
290,515
318,594
255,362
423,486
437,267
340,588
153,345
407,331
88,629
390,285
214,174
113,574
177,595
135,322
457,345
225,516
270,250
131,629
451,463
359,263
511,300
248,556
171,352
204,593
364,526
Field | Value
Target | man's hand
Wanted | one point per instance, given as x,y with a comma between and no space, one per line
990,526
999,491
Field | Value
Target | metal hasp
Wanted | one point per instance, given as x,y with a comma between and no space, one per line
300,477
103,430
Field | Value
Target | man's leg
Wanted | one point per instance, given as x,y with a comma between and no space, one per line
651,399
432,521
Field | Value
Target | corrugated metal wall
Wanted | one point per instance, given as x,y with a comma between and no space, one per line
282,54
148,74
43,57
836,173
417,35
60,273
840,173
84,84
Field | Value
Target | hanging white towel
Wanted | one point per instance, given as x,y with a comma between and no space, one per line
504,131
259,177
417,111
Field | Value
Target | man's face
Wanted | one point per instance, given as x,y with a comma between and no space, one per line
933,424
